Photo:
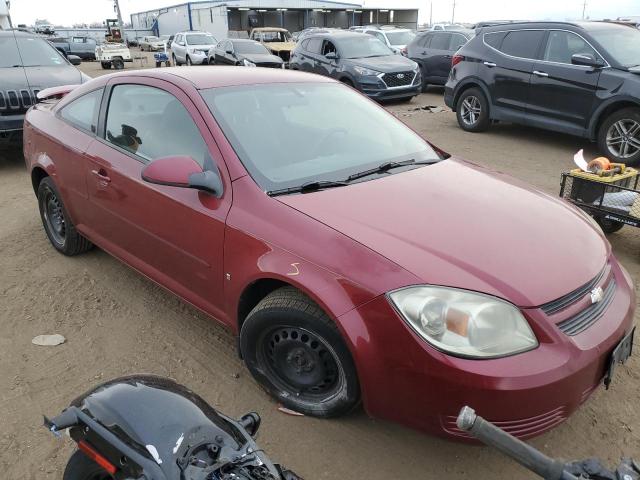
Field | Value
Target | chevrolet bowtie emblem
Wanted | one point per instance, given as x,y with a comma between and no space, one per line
597,294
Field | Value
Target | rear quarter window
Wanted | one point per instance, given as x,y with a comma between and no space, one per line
494,39
83,111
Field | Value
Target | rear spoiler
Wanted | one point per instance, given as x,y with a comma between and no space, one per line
55,92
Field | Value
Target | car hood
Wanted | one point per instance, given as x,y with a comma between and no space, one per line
460,225
387,63
38,78
261,58
279,46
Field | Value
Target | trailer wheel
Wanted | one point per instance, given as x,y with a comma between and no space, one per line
106,65
609,226
118,63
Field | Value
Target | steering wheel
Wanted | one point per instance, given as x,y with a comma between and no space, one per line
325,138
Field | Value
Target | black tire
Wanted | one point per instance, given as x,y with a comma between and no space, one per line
472,111
118,64
81,467
609,226
294,350
425,85
347,81
189,64
619,129
56,222
175,62
106,65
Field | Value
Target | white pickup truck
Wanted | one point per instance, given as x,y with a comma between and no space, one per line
113,54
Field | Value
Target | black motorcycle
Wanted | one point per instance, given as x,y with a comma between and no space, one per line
150,428
538,462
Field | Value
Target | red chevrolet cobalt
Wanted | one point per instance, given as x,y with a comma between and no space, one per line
356,262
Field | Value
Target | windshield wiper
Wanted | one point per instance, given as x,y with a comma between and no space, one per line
384,167
307,187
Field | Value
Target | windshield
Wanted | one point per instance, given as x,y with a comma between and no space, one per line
275,36
622,43
400,38
362,46
290,134
201,39
33,52
250,47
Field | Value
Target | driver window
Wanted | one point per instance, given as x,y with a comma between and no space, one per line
561,46
151,123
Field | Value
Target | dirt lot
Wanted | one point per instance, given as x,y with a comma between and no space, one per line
116,323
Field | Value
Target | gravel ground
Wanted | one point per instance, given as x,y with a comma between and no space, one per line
117,322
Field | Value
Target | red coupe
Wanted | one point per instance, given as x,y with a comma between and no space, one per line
355,261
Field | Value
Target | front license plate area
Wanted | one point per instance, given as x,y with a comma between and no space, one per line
620,355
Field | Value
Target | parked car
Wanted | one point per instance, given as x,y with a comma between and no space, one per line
28,64
244,53
192,47
447,26
45,29
277,40
434,50
356,261
361,61
577,78
395,38
83,47
151,43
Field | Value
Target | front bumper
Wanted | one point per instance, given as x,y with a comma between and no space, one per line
374,87
406,380
198,58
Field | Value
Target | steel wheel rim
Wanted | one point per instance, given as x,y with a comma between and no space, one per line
54,217
301,364
470,110
623,138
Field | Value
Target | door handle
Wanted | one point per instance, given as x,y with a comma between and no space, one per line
489,64
102,175
540,74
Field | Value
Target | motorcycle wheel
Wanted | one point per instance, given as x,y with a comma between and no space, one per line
81,467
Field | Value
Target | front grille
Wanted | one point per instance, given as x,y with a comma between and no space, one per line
587,317
522,428
398,79
563,302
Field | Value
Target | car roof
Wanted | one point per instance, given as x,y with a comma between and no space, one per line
240,40
588,26
224,76
337,34
464,31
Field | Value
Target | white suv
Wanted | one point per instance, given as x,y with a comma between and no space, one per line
191,47
394,38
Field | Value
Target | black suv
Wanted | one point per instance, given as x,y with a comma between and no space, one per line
577,78
361,61
28,64
434,50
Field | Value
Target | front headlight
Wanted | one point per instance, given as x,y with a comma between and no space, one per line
247,63
464,323
365,71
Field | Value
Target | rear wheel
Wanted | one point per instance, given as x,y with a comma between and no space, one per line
472,110
81,467
294,350
57,225
619,136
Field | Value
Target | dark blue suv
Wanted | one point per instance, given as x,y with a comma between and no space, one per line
578,78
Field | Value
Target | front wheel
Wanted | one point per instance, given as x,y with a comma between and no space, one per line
472,111
189,61
81,467
294,350
619,136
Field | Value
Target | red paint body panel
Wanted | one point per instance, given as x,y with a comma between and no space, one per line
452,224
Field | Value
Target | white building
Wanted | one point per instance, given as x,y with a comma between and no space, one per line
5,19
221,16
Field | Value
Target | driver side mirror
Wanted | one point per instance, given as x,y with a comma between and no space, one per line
331,56
586,60
74,59
184,172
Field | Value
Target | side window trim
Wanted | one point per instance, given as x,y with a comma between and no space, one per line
542,45
96,113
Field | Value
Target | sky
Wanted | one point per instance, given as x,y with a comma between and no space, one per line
68,12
